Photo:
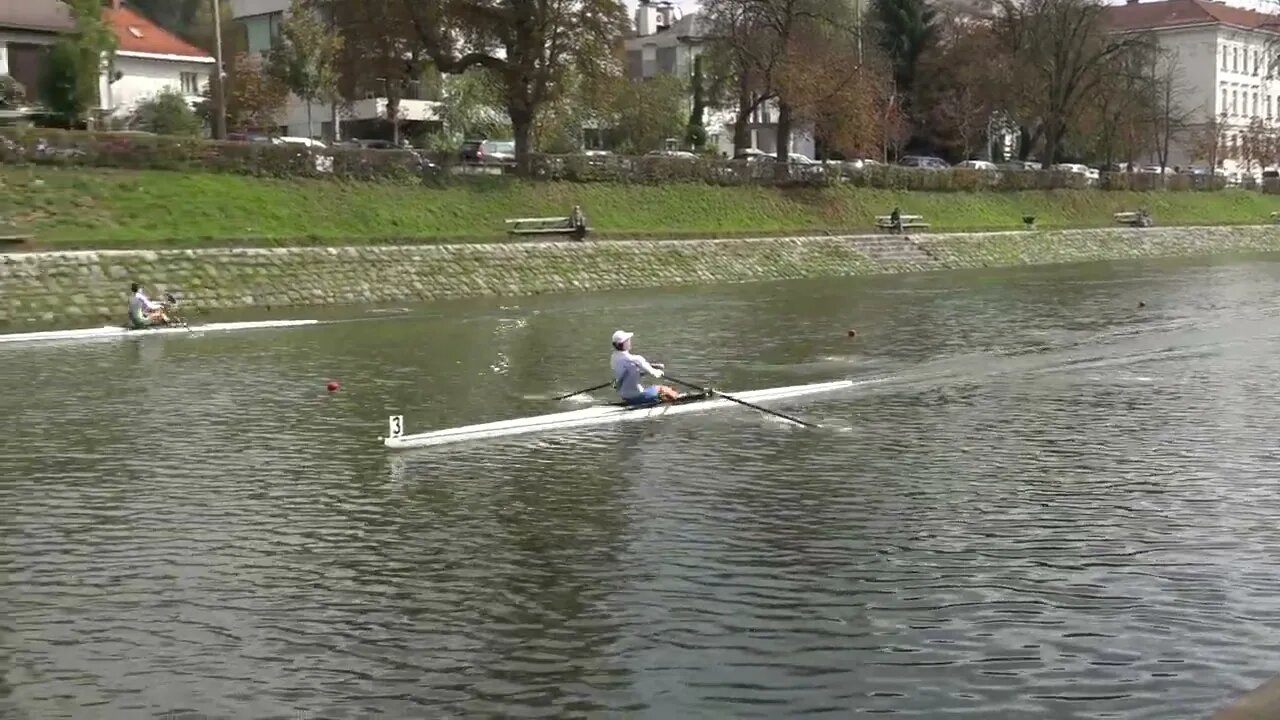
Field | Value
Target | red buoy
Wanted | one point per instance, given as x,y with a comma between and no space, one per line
333,386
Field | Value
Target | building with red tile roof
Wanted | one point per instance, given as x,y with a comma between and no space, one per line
149,59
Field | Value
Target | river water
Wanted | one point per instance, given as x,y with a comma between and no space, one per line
1041,500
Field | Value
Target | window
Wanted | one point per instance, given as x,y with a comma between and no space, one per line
190,84
1268,107
1256,63
1225,106
1235,102
1224,57
262,31
1235,59
1255,104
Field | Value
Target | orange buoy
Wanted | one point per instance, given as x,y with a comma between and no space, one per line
853,333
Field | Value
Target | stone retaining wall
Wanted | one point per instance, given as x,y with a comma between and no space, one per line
89,287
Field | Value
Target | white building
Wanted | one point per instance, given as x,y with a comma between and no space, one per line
666,42
149,59
1228,66
362,118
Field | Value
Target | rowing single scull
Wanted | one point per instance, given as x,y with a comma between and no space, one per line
120,331
615,412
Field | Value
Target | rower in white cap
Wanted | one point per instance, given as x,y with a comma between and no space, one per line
627,370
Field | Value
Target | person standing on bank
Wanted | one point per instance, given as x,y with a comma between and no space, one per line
628,368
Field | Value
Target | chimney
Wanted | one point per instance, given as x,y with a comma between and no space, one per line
646,19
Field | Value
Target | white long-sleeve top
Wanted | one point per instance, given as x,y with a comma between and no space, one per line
140,302
628,368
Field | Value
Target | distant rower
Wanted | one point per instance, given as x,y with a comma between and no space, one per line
142,312
628,369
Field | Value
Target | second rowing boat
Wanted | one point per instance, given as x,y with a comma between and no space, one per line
120,331
396,438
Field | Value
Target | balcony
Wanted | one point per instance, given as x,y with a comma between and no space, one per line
410,110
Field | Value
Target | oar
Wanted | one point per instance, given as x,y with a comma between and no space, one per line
586,390
717,393
181,320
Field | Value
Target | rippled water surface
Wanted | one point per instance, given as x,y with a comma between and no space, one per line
1041,500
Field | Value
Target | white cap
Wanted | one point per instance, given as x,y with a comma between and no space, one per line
621,336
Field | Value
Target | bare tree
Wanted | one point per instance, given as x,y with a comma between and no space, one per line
955,92
1208,142
1114,122
744,53
1059,51
1170,116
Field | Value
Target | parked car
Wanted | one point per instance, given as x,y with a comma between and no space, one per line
489,152
977,165
1091,174
1019,165
924,162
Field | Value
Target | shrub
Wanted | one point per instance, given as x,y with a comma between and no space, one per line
166,113
189,154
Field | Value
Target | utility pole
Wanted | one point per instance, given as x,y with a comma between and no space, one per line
220,85
857,5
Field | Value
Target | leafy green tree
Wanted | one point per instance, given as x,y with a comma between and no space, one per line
472,108
380,53
306,58
905,29
255,99
69,84
644,114
166,113
527,47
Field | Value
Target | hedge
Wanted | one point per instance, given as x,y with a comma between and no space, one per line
140,151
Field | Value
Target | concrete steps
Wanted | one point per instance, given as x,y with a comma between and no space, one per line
895,253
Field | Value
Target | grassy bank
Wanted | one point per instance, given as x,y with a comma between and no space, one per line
67,208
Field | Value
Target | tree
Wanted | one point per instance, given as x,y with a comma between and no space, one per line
1115,122
1257,144
858,118
527,46
905,29
955,96
743,58
1058,52
381,54
643,114
69,84
305,59
773,47
1169,115
1208,142
254,97
166,113
472,108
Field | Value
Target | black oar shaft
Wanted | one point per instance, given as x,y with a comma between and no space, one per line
784,416
601,386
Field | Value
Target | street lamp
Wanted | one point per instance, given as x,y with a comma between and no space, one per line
220,88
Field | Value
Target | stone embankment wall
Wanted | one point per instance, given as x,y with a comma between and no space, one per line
46,290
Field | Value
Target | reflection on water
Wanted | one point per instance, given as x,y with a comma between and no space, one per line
1046,501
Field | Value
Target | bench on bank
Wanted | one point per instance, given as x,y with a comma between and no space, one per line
885,222
1140,218
14,242
574,224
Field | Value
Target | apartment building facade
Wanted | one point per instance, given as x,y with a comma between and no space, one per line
359,118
